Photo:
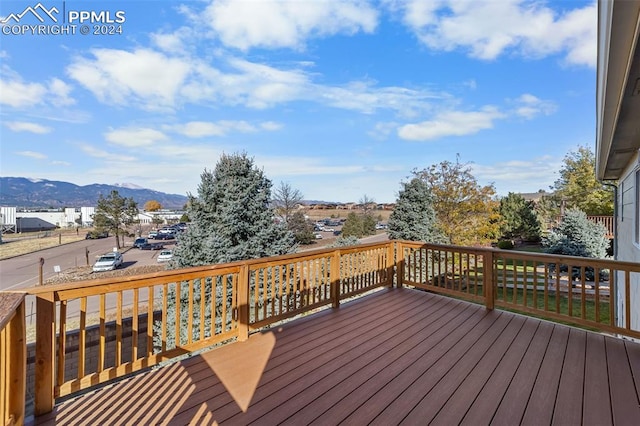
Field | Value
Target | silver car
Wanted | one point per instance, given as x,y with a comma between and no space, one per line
108,262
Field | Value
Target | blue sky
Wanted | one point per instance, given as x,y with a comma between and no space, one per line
337,98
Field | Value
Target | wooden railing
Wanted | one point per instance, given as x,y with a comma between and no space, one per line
91,332
13,359
575,290
606,221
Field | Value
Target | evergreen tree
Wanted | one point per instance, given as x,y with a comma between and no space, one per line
353,226
301,228
577,236
230,220
342,241
414,218
519,219
114,213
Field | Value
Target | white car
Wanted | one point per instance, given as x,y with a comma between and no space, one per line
318,236
165,256
108,262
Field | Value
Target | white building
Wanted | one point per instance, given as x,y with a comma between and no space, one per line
618,133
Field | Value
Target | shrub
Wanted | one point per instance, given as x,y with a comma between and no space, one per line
505,244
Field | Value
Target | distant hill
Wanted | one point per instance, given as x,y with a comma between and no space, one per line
23,192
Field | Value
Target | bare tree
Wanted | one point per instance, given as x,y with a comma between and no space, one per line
285,200
366,202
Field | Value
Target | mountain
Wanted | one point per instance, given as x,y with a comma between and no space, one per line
23,192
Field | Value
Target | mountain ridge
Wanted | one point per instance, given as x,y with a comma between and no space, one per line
28,192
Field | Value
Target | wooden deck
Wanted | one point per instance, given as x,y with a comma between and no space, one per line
396,356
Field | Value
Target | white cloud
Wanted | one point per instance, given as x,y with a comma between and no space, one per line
135,137
199,129
451,123
60,93
32,154
275,24
94,152
60,163
23,126
271,126
530,106
142,76
527,175
488,29
157,81
18,94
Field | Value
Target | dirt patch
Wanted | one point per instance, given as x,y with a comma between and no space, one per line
83,273
15,246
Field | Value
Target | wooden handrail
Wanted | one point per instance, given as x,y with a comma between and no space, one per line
13,359
228,301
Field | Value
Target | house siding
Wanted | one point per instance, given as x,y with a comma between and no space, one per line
628,230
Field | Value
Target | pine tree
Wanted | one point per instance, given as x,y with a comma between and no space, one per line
577,236
414,218
518,219
230,218
230,221
302,228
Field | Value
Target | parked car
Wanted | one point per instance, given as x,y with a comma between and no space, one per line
152,234
152,246
140,241
94,235
165,256
108,262
318,236
165,236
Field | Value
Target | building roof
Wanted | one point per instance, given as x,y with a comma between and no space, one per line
618,87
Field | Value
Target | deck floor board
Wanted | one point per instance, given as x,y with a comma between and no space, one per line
392,357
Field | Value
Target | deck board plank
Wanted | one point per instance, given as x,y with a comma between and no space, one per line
568,409
392,356
514,402
543,396
597,406
488,386
624,403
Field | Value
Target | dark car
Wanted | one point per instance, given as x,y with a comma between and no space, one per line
165,236
139,242
152,246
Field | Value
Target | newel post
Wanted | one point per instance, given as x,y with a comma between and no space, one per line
488,275
335,278
243,303
45,366
390,262
399,264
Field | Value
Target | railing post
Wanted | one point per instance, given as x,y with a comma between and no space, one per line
399,264
243,303
335,278
45,353
390,262
487,282
18,363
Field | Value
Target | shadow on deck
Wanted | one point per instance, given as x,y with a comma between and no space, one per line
395,356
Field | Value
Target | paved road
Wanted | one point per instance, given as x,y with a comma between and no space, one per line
22,271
